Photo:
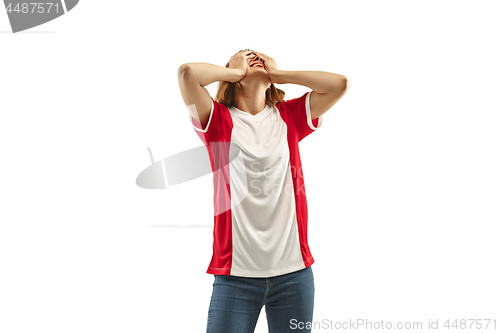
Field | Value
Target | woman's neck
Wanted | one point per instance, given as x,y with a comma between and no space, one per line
255,102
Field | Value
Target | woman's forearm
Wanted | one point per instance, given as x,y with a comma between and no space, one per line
205,74
321,82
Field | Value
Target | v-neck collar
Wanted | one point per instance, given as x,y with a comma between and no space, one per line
247,115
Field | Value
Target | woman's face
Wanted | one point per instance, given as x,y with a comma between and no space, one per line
254,64
256,71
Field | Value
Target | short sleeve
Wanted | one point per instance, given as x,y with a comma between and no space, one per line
216,124
299,112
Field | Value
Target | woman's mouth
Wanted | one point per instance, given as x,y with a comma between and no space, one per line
257,65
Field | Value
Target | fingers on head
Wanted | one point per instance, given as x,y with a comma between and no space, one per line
259,55
265,56
247,54
244,52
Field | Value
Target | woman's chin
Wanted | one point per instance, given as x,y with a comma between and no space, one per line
260,72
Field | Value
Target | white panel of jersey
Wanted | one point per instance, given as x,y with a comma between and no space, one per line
264,226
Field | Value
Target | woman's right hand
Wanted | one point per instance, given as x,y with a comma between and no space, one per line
240,61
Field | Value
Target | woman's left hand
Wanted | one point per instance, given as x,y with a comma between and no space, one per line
270,66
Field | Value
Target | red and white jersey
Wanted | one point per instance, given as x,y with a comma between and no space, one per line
260,208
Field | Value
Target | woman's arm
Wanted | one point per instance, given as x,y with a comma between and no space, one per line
327,88
193,77
205,74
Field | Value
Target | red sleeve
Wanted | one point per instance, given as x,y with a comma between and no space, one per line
214,125
299,113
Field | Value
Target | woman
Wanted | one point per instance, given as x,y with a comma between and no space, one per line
260,250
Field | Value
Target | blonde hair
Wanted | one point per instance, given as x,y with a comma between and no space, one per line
226,93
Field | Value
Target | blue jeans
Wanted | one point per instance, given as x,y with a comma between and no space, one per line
236,302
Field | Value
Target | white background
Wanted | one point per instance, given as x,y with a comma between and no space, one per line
402,177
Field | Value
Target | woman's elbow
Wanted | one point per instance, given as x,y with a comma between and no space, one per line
184,71
347,83
337,83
